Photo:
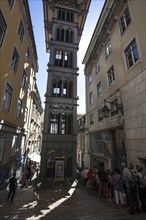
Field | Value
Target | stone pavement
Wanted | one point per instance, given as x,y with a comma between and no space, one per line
60,201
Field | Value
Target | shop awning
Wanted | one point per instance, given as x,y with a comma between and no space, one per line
35,157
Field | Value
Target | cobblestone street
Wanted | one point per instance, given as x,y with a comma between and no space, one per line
58,203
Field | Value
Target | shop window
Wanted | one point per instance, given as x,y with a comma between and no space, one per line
2,145
14,145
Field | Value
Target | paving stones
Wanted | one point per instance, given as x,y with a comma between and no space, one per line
55,203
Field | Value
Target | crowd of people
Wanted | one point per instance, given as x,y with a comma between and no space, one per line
123,187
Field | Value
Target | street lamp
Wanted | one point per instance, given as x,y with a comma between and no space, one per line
106,111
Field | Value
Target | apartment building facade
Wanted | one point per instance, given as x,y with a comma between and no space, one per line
18,67
64,22
115,72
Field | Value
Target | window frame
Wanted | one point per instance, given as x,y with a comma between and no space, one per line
130,54
8,93
108,48
3,28
91,101
124,20
111,76
97,66
100,115
19,108
10,3
15,60
91,119
24,79
99,89
21,31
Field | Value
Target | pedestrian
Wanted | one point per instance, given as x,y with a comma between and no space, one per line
102,182
132,190
141,188
125,171
12,187
28,175
118,181
89,178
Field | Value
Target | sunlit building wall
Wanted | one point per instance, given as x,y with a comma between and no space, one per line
115,71
18,61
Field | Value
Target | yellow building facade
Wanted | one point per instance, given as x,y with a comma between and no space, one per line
18,63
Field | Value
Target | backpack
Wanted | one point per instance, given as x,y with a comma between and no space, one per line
134,180
103,176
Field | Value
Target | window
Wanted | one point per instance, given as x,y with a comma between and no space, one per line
65,15
63,123
63,58
2,144
91,119
14,145
91,98
113,106
97,67
108,48
25,114
29,90
7,97
10,2
90,78
27,55
111,76
125,20
3,27
54,128
15,60
131,53
24,77
99,89
100,115
19,107
21,31
57,88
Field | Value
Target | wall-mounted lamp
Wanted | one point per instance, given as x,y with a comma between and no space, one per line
106,111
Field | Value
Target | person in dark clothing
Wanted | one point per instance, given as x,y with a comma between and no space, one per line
12,186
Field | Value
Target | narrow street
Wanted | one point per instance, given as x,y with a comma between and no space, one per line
61,203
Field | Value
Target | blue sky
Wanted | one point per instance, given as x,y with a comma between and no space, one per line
36,10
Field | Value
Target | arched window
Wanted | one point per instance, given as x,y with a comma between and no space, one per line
70,90
54,125
59,58
62,35
67,36
58,34
65,89
57,88
71,36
